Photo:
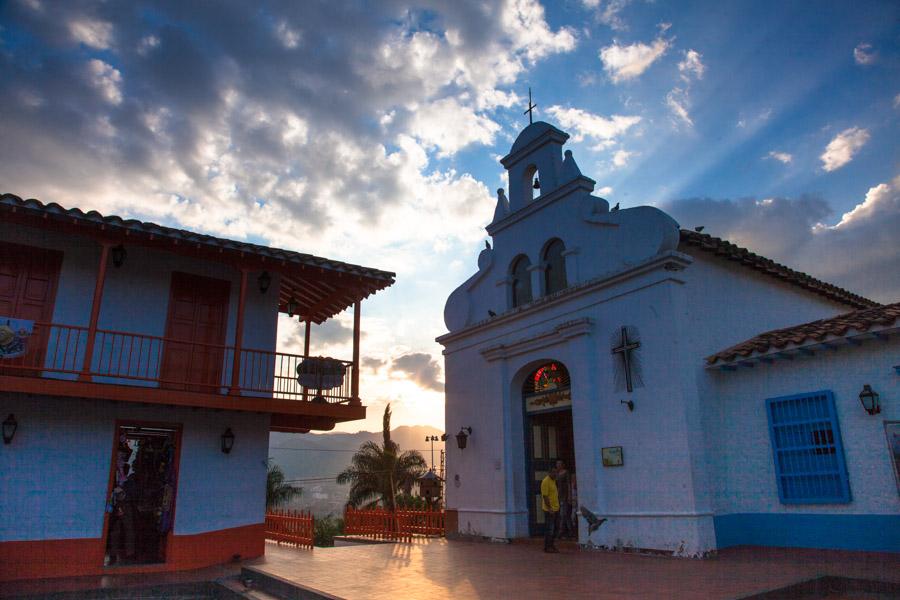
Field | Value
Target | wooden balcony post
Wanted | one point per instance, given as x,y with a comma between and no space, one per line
354,378
235,388
306,352
85,374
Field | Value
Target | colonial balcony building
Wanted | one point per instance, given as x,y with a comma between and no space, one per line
139,381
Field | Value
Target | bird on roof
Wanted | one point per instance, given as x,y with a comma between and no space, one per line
593,521
491,313
487,245
616,207
698,229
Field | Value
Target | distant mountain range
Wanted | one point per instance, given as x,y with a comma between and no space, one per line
315,459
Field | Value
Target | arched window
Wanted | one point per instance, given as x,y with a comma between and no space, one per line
554,267
521,281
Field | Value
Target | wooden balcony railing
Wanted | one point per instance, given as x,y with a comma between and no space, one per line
58,352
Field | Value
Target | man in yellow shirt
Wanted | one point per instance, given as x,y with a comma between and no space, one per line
550,504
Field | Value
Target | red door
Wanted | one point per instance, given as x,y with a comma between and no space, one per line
195,333
28,280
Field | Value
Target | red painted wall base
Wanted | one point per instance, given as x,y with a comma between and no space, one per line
69,558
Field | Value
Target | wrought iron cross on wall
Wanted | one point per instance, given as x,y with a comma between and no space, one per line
625,349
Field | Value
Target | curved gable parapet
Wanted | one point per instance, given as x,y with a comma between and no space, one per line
458,309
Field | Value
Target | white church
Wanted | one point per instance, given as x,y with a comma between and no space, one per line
701,395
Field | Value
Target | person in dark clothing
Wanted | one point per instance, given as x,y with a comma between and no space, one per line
564,487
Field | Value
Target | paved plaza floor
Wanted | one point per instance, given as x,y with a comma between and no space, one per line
460,569
437,569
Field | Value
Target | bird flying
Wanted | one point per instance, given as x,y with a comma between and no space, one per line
593,521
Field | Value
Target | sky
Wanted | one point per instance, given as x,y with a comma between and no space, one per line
370,132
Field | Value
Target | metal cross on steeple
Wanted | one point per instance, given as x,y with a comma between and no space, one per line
625,350
531,108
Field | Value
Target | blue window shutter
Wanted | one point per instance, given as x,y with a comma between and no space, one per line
807,449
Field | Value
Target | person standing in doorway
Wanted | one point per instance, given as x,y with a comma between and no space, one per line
550,504
564,489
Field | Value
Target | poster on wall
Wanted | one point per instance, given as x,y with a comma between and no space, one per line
892,429
14,335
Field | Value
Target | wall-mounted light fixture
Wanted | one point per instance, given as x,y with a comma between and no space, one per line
9,428
119,254
264,281
227,441
869,399
292,307
462,438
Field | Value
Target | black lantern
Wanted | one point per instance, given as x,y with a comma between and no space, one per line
869,399
227,441
537,184
462,437
9,428
292,307
119,254
264,281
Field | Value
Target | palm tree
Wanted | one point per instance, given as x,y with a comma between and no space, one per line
277,491
377,472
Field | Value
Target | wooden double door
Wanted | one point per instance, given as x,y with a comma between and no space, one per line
195,352
548,439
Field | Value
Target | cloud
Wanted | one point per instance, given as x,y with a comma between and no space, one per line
897,101
692,66
96,34
430,125
863,54
678,102
843,147
585,124
623,63
620,158
420,368
782,157
607,12
106,79
857,253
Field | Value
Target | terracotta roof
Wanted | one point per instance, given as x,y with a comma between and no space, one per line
856,322
742,256
323,287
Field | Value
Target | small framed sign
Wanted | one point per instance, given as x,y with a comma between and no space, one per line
612,456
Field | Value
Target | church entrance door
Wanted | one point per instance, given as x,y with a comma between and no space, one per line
548,438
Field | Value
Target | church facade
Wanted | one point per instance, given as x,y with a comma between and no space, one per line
701,395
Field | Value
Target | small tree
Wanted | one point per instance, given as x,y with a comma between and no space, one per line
376,473
278,492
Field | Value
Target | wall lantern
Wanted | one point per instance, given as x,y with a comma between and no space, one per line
462,438
227,441
869,399
292,307
264,281
119,254
9,428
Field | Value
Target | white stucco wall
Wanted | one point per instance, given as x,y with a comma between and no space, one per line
740,450
56,471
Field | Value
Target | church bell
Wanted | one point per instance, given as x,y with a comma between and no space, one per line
537,184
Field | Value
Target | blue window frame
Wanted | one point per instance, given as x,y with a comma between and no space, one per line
806,446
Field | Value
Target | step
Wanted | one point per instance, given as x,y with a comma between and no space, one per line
281,588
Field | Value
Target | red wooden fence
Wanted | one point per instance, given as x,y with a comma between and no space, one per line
401,525
293,527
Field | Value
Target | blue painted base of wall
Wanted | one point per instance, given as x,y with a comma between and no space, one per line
879,533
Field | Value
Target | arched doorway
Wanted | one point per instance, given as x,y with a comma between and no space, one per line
547,404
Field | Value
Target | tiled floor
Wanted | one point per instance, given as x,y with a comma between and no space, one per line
458,569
